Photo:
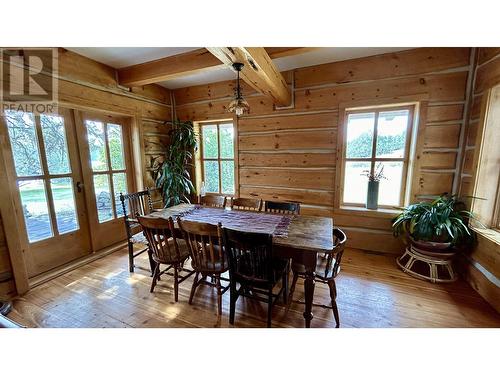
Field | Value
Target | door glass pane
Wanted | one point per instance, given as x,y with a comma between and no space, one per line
64,204
391,134
390,188
355,184
24,143
119,186
226,141
97,146
56,148
211,176
227,170
209,136
115,142
103,197
35,209
360,135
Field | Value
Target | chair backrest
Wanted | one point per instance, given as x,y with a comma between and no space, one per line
334,257
249,204
250,256
286,208
158,231
218,201
139,203
205,244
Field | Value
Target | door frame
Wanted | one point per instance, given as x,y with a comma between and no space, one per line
109,232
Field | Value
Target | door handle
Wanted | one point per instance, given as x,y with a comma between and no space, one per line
79,186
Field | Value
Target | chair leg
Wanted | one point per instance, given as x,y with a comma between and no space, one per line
269,307
193,288
333,297
131,257
176,283
292,288
152,263
232,301
155,277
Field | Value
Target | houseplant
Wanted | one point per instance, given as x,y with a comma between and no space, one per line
171,171
373,185
435,226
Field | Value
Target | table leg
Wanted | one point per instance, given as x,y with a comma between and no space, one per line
310,266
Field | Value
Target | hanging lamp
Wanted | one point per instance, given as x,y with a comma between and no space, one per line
238,105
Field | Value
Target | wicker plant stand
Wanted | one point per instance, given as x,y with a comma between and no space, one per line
434,267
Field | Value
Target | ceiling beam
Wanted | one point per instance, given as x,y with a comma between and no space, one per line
184,64
259,71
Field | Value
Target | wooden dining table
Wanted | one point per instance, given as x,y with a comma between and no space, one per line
304,238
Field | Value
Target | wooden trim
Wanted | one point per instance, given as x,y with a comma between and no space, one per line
10,220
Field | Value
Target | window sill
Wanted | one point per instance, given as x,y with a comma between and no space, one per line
362,211
492,235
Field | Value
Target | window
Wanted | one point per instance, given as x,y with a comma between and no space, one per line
43,173
217,157
376,139
108,167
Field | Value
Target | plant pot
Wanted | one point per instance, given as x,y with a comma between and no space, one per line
434,249
372,195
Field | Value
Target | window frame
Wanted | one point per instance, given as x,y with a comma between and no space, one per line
373,159
219,159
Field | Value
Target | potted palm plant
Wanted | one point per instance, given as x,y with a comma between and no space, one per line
434,227
171,171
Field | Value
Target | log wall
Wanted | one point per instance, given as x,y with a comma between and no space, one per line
89,85
291,154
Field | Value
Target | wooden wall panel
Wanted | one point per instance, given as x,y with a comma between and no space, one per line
391,65
488,75
442,136
435,183
291,154
438,160
294,178
287,159
320,139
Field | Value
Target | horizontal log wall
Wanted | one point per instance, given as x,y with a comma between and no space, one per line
291,153
89,85
481,267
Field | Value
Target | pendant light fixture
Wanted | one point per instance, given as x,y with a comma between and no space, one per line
239,105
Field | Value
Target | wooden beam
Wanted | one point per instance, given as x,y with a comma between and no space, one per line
185,64
259,71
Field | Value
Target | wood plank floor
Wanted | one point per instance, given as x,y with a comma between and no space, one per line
373,292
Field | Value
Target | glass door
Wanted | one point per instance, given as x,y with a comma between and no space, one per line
46,167
105,150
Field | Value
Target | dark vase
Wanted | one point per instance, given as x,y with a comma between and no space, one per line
372,195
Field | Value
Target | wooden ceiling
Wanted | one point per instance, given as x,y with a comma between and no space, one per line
259,72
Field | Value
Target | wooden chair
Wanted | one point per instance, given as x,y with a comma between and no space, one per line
218,201
286,208
140,204
252,265
208,257
327,268
248,204
166,249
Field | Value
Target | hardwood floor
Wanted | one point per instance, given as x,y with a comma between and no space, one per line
372,292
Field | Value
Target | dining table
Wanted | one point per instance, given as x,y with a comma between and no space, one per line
297,237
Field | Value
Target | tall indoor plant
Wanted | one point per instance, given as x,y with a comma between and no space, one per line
436,225
171,171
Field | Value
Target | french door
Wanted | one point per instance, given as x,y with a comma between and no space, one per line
46,174
104,143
